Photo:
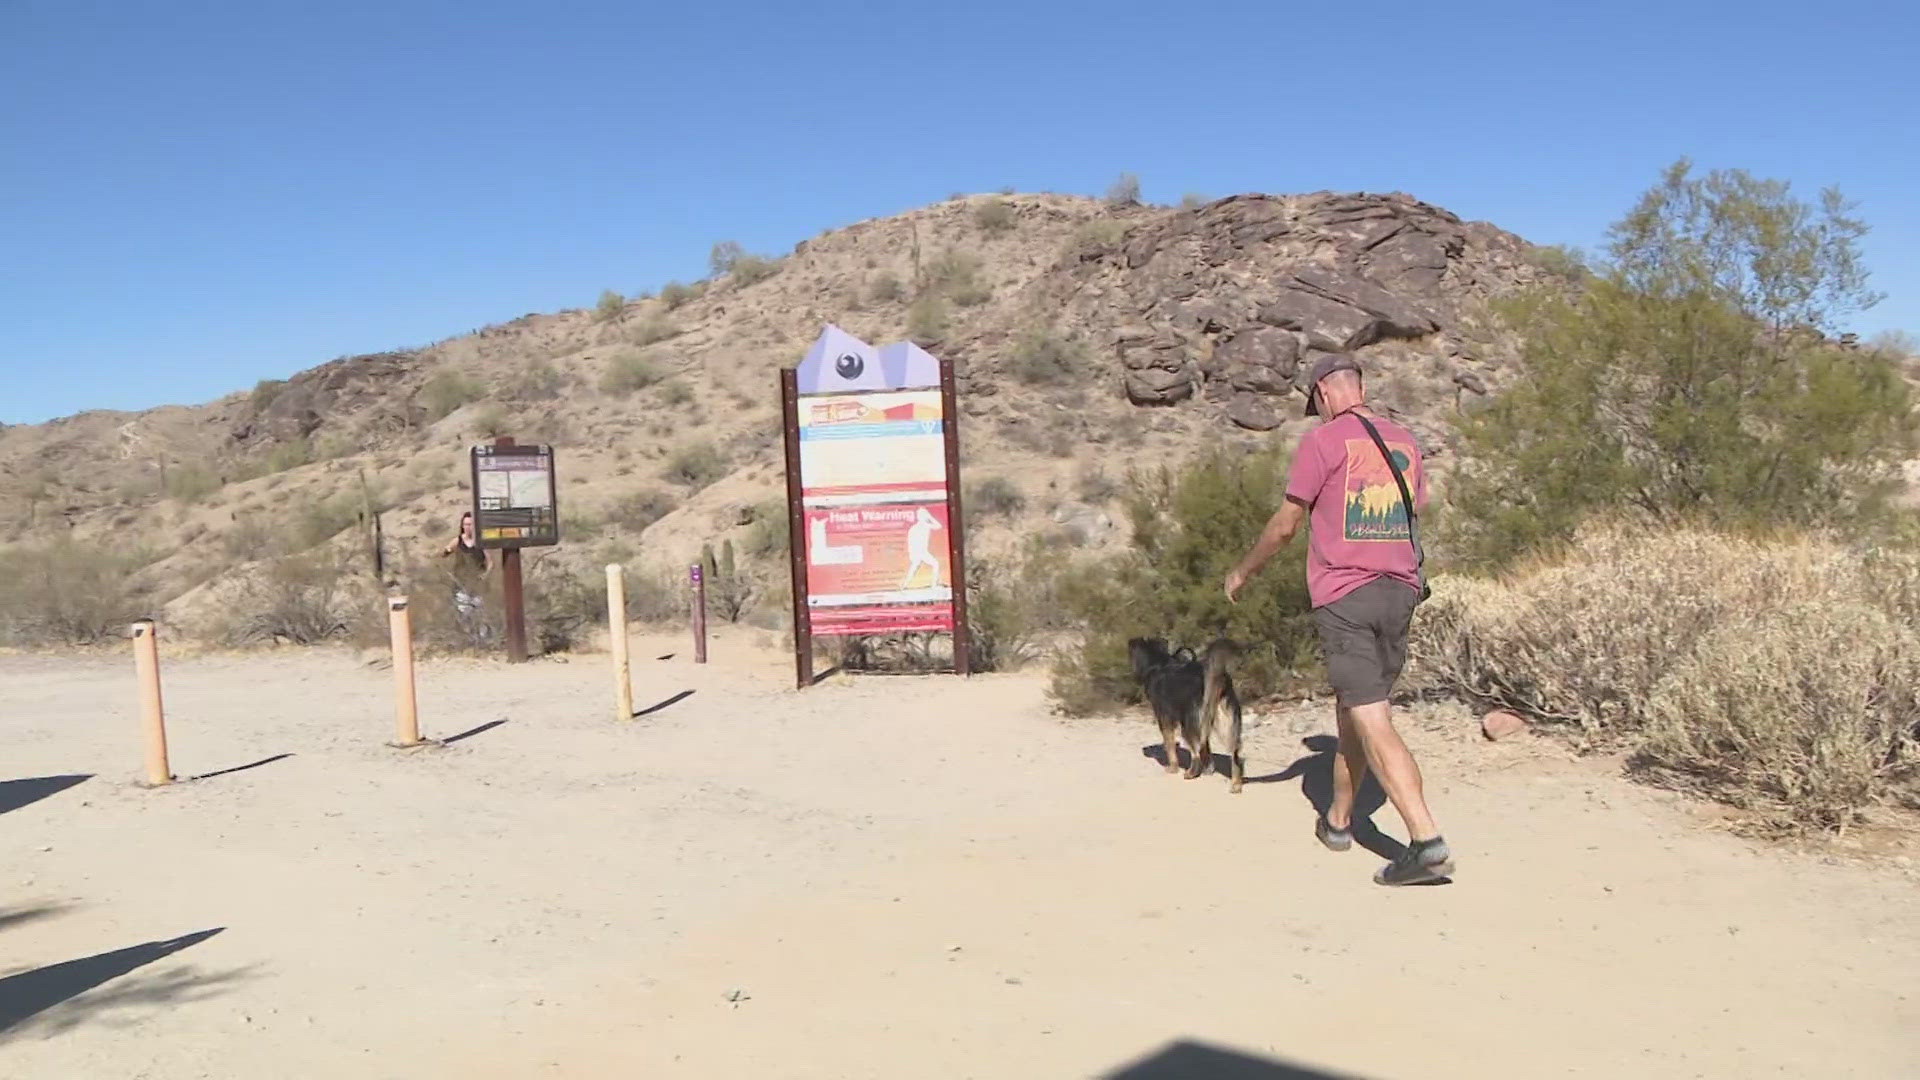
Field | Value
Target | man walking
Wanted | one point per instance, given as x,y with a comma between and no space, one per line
1352,479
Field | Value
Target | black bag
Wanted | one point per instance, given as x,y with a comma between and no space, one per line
1406,500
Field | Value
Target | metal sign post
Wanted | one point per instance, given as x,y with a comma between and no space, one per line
516,504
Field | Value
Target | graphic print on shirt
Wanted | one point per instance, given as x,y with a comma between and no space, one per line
1374,509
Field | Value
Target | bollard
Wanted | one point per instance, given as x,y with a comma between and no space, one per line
146,666
699,613
617,635
405,712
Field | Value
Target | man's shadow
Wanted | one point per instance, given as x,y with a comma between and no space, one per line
1315,772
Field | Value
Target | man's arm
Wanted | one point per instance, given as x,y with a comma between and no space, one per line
1280,531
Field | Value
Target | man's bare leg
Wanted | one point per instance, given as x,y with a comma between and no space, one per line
1387,755
1349,772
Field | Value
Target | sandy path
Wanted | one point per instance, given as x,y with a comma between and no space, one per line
904,877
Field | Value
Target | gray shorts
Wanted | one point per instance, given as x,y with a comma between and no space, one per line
1364,635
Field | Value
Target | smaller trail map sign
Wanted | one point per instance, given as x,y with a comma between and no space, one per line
514,502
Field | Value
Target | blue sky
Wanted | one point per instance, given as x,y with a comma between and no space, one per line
195,195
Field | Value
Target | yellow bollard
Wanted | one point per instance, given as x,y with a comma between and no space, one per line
146,666
617,634
405,711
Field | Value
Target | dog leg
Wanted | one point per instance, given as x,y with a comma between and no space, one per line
1239,763
1172,749
1202,757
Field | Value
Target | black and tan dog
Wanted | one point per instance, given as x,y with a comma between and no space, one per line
1188,694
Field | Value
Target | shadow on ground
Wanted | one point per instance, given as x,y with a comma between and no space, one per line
56,998
1186,1060
674,700
241,768
15,794
472,731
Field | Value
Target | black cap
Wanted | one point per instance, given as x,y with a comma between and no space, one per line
1323,367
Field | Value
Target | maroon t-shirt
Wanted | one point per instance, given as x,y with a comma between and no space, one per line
1357,527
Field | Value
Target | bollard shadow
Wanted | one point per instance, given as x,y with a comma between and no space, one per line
670,702
1189,1060
16,916
15,794
472,731
241,768
45,997
668,656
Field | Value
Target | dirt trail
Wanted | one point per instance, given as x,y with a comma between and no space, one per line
895,877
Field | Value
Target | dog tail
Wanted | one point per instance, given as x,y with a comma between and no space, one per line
1219,655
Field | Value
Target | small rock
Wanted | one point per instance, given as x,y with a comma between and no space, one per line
1500,723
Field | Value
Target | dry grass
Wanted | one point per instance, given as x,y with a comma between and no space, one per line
1777,675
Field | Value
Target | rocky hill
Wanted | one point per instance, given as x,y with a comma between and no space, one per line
1088,337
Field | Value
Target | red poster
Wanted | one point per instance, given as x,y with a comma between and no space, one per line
879,568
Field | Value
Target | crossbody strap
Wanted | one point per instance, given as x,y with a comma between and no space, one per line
1406,498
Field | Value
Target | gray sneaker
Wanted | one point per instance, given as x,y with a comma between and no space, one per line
1424,862
1333,839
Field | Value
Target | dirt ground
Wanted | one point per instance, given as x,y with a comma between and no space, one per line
879,877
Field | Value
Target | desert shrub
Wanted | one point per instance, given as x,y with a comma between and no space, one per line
724,255
1775,674
627,372
1193,201
673,294
539,380
65,592
320,520
698,465
766,530
676,392
1681,383
995,496
927,319
885,287
1006,613
994,215
654,331
752,269
446,391
1124,191
610,306
265,392
299,599
956,275
730,587
1042,356
1095,486
1189,528
1100,232
248,539
492,419
191,483
636,510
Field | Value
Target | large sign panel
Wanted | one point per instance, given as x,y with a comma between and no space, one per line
873,488
514,497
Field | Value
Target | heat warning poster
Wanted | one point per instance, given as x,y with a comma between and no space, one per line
873,489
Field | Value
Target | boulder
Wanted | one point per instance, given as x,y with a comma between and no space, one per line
1254,412
1158,386
1262,359
1500,724
1340,311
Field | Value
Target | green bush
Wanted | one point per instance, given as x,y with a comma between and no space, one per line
927,319
68,593
191,483
1193,201
996,496
627,372
956,275
539,380
698,466
730,589
654,331
1682,382
446,391
1100,232
1189,529
610,306
885,288
994,215
635,511
674,294
1125,191
676,392
299,599
1045,357
265,392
